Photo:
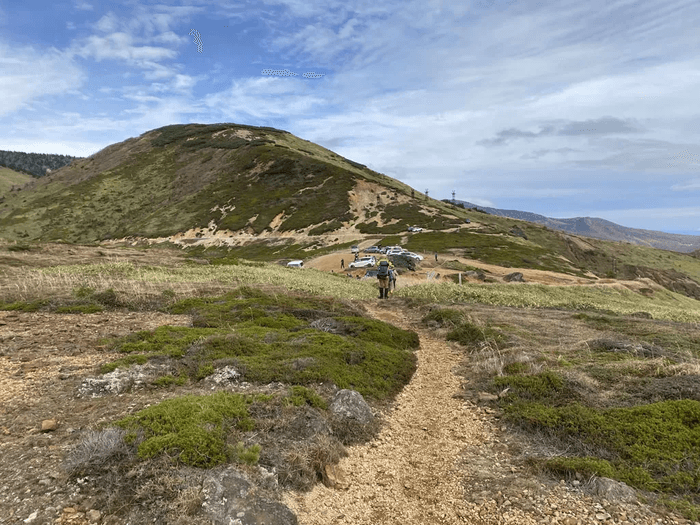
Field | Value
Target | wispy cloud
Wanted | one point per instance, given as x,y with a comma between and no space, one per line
51,73
83,6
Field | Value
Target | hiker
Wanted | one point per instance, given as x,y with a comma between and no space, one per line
342,264
435,256
383,279
357,256
392,279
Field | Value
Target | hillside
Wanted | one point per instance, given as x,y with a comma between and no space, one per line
602,229
223,180
35,164
10,178
237,191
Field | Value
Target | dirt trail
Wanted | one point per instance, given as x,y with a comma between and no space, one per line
411,473
442,460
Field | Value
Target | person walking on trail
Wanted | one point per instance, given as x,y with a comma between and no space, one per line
435,256
383,279
342,264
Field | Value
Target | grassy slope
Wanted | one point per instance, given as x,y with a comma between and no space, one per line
9,178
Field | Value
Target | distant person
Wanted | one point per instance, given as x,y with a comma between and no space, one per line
435,256
383,279
392,279
356,256
342,264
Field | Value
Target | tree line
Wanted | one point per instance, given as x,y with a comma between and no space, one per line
34,164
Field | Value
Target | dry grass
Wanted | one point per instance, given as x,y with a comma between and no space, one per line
305,461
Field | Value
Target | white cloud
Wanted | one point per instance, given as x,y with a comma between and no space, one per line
690,185
108,23
51,73
83,6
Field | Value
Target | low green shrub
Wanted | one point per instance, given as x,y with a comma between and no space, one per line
191,429
538,386
79,309
300,396
444,317
653,447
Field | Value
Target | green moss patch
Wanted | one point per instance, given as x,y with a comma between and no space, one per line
652,447
299,340
192,429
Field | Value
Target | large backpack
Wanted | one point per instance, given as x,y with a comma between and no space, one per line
383,269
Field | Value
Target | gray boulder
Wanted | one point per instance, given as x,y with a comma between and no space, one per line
350,406
230,499
475,275
613,490
514,277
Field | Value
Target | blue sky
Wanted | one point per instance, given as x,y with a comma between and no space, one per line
559,107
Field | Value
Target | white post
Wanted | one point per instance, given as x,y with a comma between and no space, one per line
460,277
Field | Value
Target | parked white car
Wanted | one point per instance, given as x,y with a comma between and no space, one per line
413,256
295,264
415,229
363,262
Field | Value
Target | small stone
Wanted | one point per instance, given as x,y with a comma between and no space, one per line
93,515
70,510
32,517
48,425
335,478
576,483
569,521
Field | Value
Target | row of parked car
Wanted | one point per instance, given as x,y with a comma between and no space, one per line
393,250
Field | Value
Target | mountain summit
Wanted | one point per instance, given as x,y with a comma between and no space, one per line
226,181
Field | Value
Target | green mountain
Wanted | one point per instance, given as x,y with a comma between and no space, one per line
268,194
194,179
34,164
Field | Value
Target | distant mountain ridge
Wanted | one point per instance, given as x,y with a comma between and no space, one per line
601,229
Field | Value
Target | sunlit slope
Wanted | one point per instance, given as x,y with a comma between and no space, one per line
10,178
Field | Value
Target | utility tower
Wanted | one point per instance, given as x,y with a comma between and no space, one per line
453,196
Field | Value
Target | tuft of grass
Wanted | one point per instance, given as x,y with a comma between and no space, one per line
96,449
444,317
470,334
245,455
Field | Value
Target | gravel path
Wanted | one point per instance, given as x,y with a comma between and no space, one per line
439,460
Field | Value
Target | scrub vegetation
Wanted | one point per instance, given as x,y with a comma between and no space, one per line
606,394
